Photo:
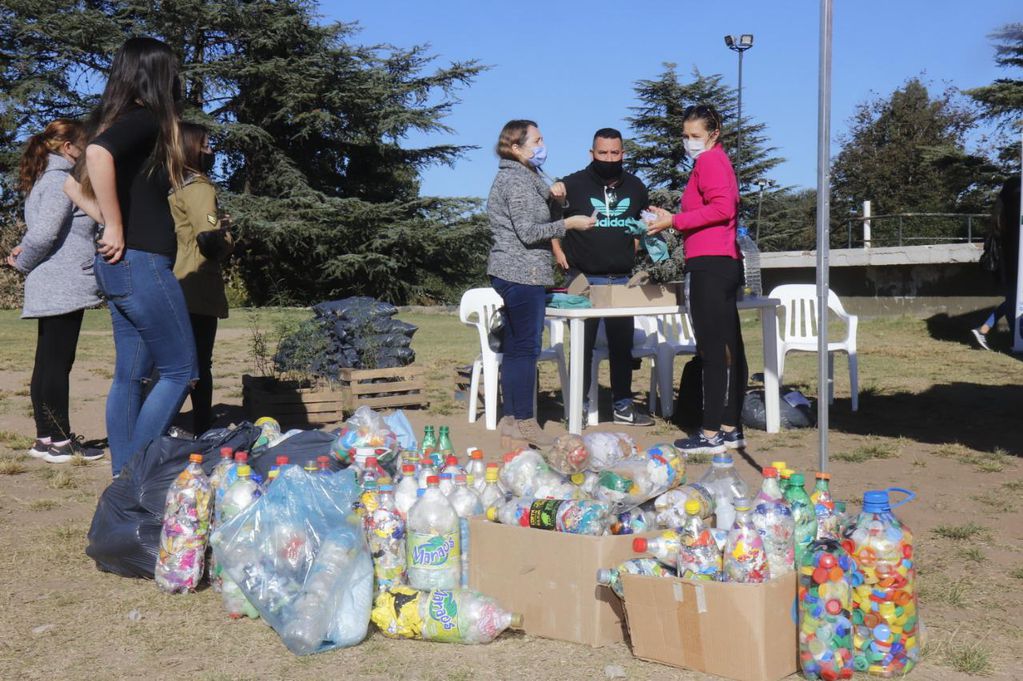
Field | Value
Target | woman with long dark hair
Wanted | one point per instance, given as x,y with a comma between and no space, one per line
56,253
132,163
202,244
708,221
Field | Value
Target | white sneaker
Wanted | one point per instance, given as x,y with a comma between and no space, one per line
39,449
980,338
62,453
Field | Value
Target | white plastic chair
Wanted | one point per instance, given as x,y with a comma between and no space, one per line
797,332
674,337
644,344
475,310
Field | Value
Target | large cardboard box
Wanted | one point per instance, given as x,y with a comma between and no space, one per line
739,631
633,294
551,579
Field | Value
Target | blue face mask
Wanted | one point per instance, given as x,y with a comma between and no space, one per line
539,156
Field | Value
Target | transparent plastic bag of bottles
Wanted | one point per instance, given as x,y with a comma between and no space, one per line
366,428
632,482
299,555
607,449
568,455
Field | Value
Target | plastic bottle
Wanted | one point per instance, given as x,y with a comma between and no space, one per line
826,578
271,432
647,567
886,625
560,515
275,470
526,474
186,524
369,500
370,474
638,520
323,465
450,616
750,264
466,504
803,515
785,478
385,534
239,496
725,483
631,482
664,547
670,507
773,519
843,518
568,454
475,470
429,444
745,560
241,457
311,617
447,483
310,467
492,494
444,446
426,470
218,486
452,468
698,555
433,545
824,508
405,492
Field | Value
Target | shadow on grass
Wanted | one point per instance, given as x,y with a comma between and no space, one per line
981,417
956,329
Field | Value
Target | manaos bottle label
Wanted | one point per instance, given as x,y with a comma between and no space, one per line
431,551
441,623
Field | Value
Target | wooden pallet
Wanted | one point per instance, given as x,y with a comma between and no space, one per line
292,403
401,387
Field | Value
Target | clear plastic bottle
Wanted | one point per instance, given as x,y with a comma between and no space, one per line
636,521
773,519
745,560
466,504
825,619
824,508
647,567
426,470
526,474
670,507
186,524
218,485
238,497
568,454
405,492
446,615
370,474
369,500
275,470
843,519
492,494
631,482
725,483
271,432
699,556
750,263
475,470
385,534
664,547
560,515
803,514
452,467
447,483
433,545
323,465
886,625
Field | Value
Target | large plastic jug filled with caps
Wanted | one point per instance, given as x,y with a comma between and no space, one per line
886,623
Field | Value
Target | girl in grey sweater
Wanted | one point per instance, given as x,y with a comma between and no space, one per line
524,217
56,253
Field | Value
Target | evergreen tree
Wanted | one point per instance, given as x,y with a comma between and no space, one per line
1002,101
311,126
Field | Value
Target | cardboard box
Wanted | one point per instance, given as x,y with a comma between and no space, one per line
633,294
739,631
550,578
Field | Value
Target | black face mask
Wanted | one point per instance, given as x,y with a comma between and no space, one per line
206,161
607,170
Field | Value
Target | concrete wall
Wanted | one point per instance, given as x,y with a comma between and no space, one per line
915,280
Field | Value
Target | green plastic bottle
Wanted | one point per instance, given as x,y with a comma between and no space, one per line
803,514
429,444
444,445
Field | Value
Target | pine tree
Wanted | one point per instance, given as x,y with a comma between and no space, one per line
1002,101
310,128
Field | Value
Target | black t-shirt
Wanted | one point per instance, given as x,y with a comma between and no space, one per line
141,189
609,247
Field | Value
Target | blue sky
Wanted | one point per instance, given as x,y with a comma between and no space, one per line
571,65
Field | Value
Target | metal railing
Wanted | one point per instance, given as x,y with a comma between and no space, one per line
899,229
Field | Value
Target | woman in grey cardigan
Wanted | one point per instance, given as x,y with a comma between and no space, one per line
524,217
56,253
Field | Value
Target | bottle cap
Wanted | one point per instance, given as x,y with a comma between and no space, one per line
823,476
282,460
604,576
577,478
639,544
323,459
786,473
778,465
492,513
451,461
721,459
226,452
692,507
244,471
432,480
876,501
491,475
386,488
493,465
369,484
445,476
516,621
770,472
371,461
461,479
509,456
408,468
741,504
274,472
310,466
241,457
797,479
475,454
195,458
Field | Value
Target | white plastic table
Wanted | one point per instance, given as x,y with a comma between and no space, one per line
576,317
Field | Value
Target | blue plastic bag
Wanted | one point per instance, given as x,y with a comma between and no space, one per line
300,557
399,424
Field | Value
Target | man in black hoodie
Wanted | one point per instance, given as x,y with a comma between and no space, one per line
605,254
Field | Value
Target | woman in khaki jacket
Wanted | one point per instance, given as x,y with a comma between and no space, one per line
203,242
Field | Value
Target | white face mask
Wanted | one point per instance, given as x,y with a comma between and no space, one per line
694,147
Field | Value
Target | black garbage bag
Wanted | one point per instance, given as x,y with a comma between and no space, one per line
795,411
300,448
124,537
357,309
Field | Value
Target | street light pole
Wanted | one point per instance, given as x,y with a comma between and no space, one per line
739,44
762,184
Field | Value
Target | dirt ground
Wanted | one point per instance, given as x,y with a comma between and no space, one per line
935,416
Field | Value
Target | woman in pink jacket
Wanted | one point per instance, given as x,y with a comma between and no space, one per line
710,206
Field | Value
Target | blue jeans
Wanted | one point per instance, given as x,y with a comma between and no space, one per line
524,312
151,330
620,334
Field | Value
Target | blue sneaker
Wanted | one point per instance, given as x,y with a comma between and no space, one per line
698,443
734,439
